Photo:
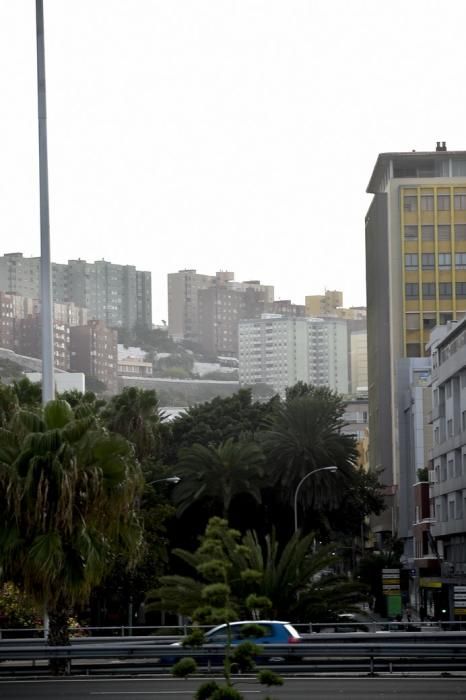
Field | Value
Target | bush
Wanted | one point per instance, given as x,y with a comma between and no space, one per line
206,690
243,656
226,693
269,678
184,667
195,639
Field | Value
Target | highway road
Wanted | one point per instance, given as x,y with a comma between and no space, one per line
293,689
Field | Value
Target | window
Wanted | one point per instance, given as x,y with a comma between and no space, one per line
450,427
460,232
459,167
428,290
411,261
450,469
412,322
413,349
427,202
459,505
443,202
410,203
460,259
443,471
410,231
412,290
460,201
427,232
448,389
461,290
463,420
444,260
443,231
451,510
428,261
444,289
429,321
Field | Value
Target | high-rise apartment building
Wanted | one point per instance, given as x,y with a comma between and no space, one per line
415,272
183,288
331,304
28,334
119,295
94,351
282,350
7,321
324,304
284,307
220,309
219,298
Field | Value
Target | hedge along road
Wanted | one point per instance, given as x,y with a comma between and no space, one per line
294,689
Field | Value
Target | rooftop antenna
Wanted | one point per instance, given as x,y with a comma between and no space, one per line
48,384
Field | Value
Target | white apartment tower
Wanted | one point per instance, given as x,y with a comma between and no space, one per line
282,350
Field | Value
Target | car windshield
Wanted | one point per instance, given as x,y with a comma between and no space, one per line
240,631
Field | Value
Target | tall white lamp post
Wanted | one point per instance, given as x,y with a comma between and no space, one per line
296,493
48,384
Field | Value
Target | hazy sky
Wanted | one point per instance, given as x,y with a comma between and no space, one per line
222,134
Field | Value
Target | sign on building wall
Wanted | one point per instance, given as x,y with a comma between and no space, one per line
459,600
391,589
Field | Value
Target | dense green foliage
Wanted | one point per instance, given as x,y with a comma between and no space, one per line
288,581
69,491
236,458
218,474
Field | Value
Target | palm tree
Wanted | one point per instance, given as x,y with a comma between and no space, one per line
303,435
291,582
69,492
29,393
299,581
135,414
218,474
8,403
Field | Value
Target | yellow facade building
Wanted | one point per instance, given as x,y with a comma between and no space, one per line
318,305
433,240
415,276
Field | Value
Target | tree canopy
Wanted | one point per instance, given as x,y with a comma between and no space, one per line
69,491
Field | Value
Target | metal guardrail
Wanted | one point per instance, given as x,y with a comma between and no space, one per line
156,631
385,637
328,649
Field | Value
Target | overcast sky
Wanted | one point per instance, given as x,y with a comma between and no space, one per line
222,134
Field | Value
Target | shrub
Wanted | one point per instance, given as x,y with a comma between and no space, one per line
243,656
269,678
226,693
184,667
206,690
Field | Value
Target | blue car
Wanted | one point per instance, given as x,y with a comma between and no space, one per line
274,632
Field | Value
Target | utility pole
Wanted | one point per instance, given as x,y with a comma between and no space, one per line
48,384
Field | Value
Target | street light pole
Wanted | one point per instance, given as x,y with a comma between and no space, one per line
306,476
48,384
168,480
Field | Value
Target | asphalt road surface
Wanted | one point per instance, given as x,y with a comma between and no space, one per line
293,689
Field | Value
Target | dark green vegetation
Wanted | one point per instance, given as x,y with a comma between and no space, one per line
90,525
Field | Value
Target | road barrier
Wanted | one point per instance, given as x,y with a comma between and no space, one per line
389,655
